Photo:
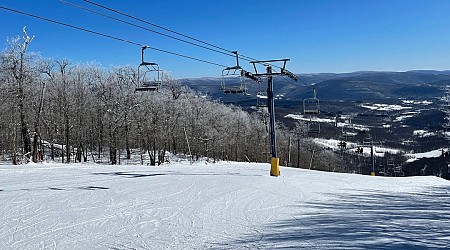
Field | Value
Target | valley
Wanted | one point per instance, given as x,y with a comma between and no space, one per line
403,111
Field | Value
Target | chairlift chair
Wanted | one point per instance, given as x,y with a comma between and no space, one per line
232,80
381,169
368,141
149,75
261,98
348,133
390,162
379,150
311,106
313,127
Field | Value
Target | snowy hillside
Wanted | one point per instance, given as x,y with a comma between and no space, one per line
222,206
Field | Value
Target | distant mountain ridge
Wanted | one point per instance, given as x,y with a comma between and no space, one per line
354,86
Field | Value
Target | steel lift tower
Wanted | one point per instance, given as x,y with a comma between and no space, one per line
275,161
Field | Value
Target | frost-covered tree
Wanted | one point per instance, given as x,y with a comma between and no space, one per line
17,74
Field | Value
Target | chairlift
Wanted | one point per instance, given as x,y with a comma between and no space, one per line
313,127
311,105
379,149
149,75
232,80
368,141
348,133
261,98
398,171
381,169
390,163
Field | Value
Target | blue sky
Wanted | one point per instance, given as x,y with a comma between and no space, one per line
317,35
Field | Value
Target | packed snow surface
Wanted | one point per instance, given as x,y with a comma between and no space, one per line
220,206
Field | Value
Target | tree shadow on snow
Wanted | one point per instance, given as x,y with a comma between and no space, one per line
366,220
140,174
129,174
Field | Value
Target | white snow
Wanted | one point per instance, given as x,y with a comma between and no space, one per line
327,120
430,154
379,150
416,102
384,107
406,115
310,118
402,117
423,133
219,206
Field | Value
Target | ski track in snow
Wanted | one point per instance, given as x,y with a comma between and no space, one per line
219,206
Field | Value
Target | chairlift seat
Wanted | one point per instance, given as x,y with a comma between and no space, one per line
311,106
148,64
262,105
152,88
311,111
261,100
348,134
151,84
313,131
367,141
233,89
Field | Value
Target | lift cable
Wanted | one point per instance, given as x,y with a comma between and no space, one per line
71,26
246,58
144,28
111,37
155,25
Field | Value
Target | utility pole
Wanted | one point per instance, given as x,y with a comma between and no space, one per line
275,161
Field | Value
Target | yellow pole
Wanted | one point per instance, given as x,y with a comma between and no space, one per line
275,166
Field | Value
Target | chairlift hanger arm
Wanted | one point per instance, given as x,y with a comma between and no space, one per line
237,57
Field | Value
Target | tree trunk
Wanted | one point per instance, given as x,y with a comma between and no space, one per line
67,135
113,155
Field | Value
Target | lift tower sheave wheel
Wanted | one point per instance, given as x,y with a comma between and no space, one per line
149,75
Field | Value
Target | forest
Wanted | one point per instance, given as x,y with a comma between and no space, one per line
57,110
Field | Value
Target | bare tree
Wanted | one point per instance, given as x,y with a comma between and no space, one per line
16,63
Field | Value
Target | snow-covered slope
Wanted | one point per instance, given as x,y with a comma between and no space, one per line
226,205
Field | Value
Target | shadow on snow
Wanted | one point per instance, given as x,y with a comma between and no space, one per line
367,220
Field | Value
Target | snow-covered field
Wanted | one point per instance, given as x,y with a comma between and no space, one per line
351,146
219,206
